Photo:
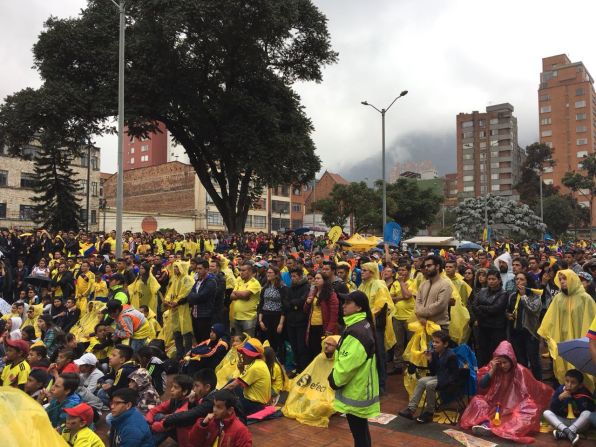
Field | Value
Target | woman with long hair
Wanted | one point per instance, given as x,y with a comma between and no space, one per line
322,308
270,312
469,276
354,376
50,334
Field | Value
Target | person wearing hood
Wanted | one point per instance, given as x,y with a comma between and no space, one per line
568,317
175,300
295,317
13,328
208,353
144,289
511,390
382,308
504,264
140,380
487,311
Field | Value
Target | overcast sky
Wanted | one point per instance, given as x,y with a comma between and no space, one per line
452,55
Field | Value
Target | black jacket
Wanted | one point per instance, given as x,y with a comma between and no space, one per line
445,367
120,380
203,300
293,304
70,319
66,284
194,412
489,308
220,293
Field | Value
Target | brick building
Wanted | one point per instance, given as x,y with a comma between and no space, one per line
567,105
489,158
451,191
322,190
17,177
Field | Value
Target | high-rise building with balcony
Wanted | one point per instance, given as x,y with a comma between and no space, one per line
489,158
567,105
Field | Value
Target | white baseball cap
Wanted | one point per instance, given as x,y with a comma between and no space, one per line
86,359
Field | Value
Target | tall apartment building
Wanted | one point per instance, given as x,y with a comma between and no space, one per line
156,149
567,105
489,158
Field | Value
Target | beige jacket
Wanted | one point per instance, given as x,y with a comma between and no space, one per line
432,301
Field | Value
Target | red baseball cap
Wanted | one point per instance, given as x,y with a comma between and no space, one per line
83,411
21,345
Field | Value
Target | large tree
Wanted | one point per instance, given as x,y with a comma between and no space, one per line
217,73
355,199
538,157
56,206
517,218
411,205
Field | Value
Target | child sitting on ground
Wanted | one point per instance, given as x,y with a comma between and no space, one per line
443,373
279,379
37,381
179,392
77,432
200,406
221,424
575,395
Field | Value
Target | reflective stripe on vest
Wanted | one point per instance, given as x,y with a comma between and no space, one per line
355,403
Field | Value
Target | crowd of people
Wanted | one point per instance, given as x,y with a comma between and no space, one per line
238,320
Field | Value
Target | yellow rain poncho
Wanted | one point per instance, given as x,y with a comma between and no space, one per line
459,315
86,324
310,400
568,316
228,367
180,286
167,335
416,349
37,311
154,326
25,422
462,287
378,295
84,287
144,293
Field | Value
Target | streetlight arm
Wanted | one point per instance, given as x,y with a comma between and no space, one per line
404,93
365,103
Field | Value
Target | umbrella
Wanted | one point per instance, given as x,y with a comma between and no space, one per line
38,281
577,352
469,246
299,231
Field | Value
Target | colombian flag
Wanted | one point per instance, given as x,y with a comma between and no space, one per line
486,234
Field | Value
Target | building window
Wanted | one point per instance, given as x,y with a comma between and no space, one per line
468,146
278,206
2,210
132,150
84,161
579,91
582,154
144,158
494,143
548,181
544,97
482,144
545,109
468,167
3,178
26,212
296,207
468,156
580,116
94,189
494,165
579,104
467,124
548,169
549,144
581,128
259,221
480,123
545,121
546,133
494,121
95,163
468,178
144,148
209,199
82,187
495,187
297,192
214,218
494,176
468,188
93,217
482,134
132,161
581,141
468,135
28,180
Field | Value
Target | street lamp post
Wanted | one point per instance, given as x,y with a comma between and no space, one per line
383,112
120,176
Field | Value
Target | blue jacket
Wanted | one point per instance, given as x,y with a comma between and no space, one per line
130,429
56,412
445,367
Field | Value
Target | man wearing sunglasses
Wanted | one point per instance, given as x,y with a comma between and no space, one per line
434,294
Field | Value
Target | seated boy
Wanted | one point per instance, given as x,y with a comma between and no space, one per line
443,372
38,358
573,393
77,432
179,393
121,366
204,382
16,372
207,431
101,344
38,380
253,386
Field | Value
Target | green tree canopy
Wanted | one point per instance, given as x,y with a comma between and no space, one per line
538,157
217,73
355,199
